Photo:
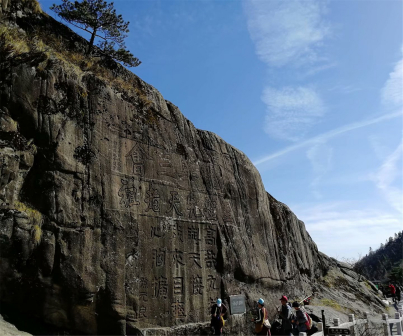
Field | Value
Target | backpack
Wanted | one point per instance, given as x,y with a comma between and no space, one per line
292,315
309,322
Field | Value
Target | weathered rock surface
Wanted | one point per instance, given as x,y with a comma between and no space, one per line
7,329
117,214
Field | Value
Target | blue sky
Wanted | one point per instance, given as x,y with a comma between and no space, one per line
310,90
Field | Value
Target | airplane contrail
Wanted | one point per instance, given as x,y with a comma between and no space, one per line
328,135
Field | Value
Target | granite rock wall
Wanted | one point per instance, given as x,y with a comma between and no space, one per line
117,214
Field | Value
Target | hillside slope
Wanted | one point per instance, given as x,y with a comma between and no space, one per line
379,264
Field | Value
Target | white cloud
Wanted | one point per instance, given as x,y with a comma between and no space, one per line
392,92
287,31
385,179
328,135
291,111
342,231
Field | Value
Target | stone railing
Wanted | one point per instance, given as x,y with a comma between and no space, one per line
361,327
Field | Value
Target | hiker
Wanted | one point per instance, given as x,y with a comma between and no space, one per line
285,315
392,291
218,310
300,319
262,324
398,293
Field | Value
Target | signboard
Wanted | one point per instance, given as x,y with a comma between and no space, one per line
237,304
339,331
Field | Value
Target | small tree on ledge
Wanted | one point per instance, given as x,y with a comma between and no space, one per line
99,18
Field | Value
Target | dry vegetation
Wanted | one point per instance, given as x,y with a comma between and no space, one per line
15,44
33,5
36,220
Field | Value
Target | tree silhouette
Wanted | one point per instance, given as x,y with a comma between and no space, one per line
99,18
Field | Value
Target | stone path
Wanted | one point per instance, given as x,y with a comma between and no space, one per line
394,307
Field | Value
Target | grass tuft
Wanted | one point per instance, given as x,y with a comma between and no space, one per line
36,219
32,213
37,234
331,303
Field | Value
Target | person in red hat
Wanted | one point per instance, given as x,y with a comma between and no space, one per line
392,292
285,315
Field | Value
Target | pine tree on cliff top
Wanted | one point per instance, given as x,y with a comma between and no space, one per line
99,18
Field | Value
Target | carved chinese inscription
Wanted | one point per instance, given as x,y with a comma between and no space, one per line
194,211
161,287
211,282
178,231
152,199
178,309
194,233
126,129
143,295
178,286
174,204
136,159
142,312
157,231
210,236
197,285
128,193
196,259
177,258
166,167
210,259
159,257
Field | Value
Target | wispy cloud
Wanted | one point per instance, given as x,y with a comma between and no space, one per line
385,179
392,92
290,34
345,224
291,111
328,135
320,155
287,31
319,68
346,89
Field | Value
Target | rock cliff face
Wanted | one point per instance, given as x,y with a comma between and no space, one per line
117,214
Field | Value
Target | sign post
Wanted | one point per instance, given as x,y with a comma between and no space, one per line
237,304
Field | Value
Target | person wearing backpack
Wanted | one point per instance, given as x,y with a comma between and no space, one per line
286,316
300,321
262,324
218,310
